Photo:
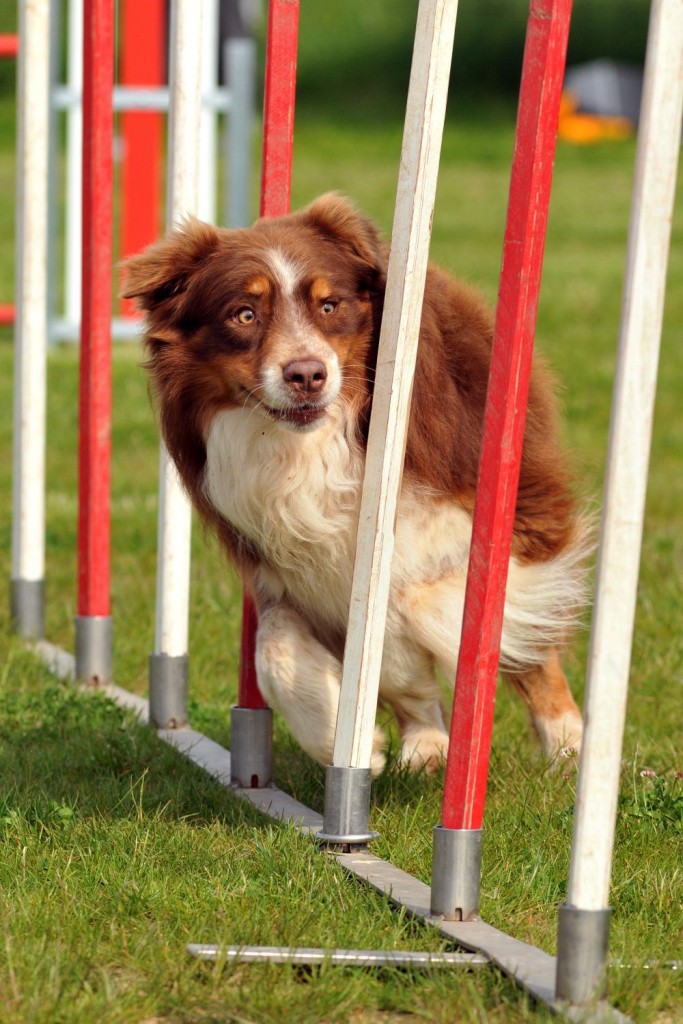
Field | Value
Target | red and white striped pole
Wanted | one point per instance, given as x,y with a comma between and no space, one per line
93,622
457,841
251,720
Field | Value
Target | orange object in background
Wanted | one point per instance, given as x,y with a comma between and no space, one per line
584,129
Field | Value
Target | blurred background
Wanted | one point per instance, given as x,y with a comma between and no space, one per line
355,55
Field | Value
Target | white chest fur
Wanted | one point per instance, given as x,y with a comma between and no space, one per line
294,495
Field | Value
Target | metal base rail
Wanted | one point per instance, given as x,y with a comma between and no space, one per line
304,957
530,968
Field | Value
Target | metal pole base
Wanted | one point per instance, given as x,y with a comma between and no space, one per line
582,940
94,642
27,608
168,675
251,745
456,873
347,808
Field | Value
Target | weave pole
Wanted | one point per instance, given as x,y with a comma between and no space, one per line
457,841
27,585
93,621
143,35
168,671
584,918
251,720
347,789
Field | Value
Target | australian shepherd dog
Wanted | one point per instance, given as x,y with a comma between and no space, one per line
262,344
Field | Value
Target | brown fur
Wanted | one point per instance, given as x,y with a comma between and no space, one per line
183,284
193,284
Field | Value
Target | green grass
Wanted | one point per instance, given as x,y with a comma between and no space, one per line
116,852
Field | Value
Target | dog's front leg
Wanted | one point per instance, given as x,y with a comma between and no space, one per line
300,678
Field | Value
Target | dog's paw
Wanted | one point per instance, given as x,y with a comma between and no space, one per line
561,737
424,750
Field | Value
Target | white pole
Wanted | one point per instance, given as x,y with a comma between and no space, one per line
407,270
28,526
629,447
168,682
209,116
74,169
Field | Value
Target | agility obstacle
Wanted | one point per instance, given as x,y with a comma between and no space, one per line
142,99
251,721
28,478
93,623
572,982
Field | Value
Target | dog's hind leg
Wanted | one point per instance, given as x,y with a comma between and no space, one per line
300,678
553,711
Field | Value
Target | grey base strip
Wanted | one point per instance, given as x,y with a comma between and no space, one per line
528,966
336,957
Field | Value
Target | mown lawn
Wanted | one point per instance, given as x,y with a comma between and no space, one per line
116,852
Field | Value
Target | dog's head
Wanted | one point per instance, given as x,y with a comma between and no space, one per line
281,318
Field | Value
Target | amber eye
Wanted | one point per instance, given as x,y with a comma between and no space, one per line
245,316
329,306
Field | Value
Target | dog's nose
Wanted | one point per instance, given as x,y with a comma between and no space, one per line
305,376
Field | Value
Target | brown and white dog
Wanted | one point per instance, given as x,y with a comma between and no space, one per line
262,343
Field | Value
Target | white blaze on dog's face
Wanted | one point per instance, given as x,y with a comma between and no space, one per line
300,369
280,319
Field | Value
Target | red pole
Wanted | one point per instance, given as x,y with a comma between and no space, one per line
278,107
9,46
276,187
95,365
539,104
143,37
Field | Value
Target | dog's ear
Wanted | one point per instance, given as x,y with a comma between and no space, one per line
158,277
336,218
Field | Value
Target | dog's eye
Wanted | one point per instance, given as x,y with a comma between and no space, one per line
328,306
245,316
